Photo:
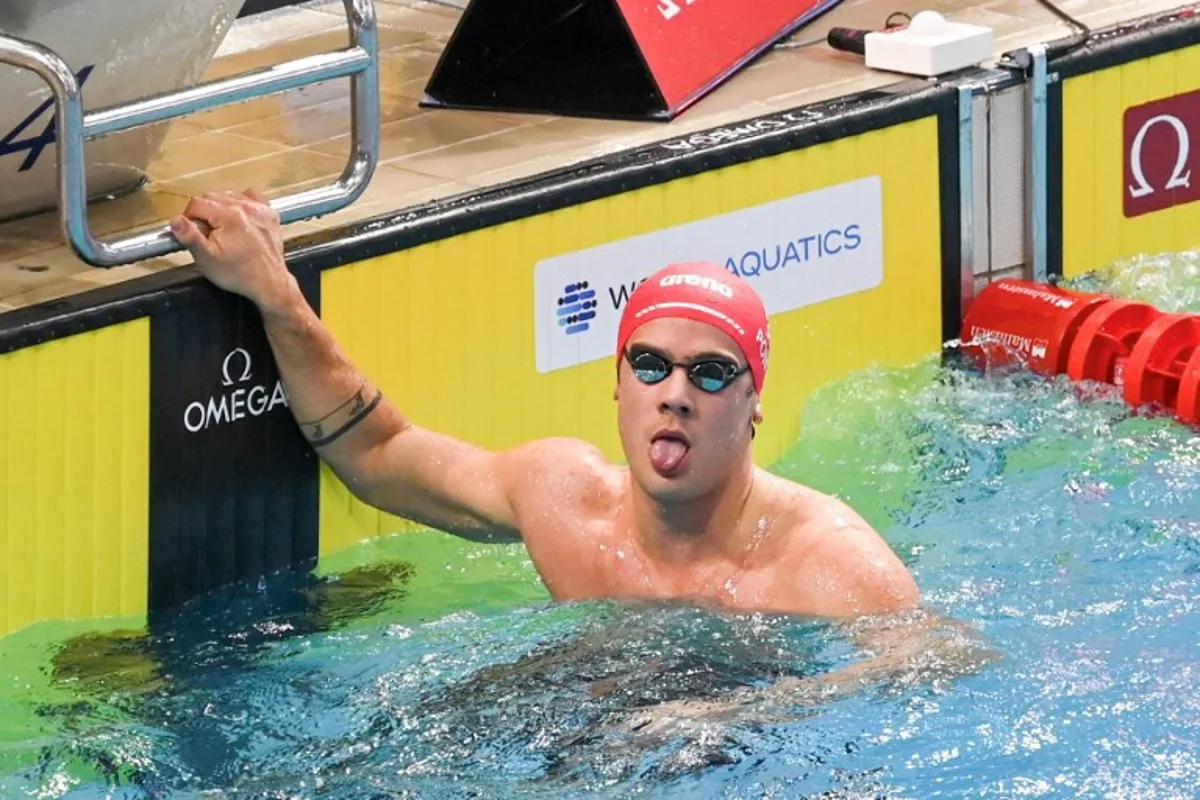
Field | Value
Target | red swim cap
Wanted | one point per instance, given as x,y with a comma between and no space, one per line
705,293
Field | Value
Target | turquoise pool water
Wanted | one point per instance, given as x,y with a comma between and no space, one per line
1062,526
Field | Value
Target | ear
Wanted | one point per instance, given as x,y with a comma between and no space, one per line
758,412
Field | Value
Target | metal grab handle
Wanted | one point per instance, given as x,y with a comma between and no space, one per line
360,61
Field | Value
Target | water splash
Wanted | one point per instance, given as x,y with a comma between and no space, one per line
1168,281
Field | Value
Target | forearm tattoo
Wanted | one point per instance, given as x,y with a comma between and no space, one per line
334,425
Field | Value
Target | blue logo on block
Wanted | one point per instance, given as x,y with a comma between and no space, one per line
576,306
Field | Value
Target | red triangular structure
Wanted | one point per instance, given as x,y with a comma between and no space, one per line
624,59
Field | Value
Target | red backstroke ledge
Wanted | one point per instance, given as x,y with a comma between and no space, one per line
1153,357
625,59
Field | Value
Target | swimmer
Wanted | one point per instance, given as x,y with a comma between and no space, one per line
690,518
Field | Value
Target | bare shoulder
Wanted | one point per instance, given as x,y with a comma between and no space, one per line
559,472
851,566
564,494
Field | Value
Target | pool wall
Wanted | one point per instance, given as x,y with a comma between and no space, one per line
148,452
1124,147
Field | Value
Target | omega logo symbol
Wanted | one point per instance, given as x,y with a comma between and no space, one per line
1180,179
234,404
1156,147
229,367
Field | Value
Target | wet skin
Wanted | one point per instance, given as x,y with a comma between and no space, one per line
689,518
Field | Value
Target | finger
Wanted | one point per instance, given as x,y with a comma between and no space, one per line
265,214
209,209
221,198
259,207
237,200
204,228
223,201
190,236
230,213
253,198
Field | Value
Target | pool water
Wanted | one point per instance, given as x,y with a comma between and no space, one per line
1061,525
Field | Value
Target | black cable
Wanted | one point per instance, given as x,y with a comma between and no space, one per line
1055,50
899,19
1084,31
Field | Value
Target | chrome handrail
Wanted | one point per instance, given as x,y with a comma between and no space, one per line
359,61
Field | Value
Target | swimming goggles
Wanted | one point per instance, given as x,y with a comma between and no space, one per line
709,375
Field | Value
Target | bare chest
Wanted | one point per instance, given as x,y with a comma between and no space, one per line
598,559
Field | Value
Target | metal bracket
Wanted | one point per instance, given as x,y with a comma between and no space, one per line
966,194
359,61
1036,166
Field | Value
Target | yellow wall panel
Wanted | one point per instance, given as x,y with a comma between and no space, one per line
1095,229
74,501
447,328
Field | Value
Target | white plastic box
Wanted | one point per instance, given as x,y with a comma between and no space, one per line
930,45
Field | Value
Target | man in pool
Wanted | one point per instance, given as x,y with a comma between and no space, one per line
690,518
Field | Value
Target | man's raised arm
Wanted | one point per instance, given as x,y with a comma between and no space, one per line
381,457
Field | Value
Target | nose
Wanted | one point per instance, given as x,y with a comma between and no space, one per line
676,394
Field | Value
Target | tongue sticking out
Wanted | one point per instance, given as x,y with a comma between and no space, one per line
666,454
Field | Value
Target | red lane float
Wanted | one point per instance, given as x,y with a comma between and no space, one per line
1020,322
1106,339
1156,367
1153,357
1187,404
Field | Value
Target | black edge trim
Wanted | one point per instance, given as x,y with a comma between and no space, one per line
704,151
1131,41
97,308
634,169
1054,179
950,192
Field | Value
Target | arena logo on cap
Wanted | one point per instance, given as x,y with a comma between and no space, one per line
795,252
698,280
